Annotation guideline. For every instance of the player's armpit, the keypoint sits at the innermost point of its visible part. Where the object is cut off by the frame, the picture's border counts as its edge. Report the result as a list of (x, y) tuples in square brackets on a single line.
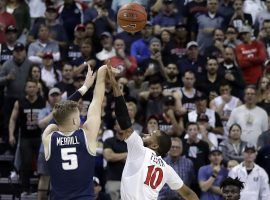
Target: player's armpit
[(187, 193)]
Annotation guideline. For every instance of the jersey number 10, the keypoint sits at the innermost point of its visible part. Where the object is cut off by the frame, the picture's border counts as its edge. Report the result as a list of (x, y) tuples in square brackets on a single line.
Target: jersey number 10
[(154, 176)]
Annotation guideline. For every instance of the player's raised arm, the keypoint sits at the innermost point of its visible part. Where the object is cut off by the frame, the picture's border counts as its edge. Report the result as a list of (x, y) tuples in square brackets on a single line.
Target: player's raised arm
[(46, 137), (187, 193), (121, 111), (92, 124)]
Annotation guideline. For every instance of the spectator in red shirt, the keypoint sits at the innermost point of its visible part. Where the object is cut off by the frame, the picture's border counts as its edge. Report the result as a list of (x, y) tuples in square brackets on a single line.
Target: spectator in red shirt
[(6, 19), (250, 56), (125, 63)]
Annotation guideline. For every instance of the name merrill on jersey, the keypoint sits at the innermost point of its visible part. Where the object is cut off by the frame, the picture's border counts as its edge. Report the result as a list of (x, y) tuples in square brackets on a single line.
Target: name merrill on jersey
[(62, 141), (157, 160)]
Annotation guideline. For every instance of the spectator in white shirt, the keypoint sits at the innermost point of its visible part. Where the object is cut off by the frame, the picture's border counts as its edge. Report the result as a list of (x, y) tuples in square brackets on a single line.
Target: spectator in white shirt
[(108, 51)]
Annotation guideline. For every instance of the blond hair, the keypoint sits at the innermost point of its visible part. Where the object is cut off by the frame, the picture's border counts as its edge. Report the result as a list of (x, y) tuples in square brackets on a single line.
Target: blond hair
[(62, 111)]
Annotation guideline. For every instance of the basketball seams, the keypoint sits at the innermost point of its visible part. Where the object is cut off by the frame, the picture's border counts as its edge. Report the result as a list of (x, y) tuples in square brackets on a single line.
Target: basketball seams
[(126, 20), (126, 9)]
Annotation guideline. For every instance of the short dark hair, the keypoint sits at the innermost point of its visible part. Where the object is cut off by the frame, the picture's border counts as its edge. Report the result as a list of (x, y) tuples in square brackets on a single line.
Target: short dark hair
[(188, 71), (232, 181), (192, 123), (224, 82), (235, 124), (62, 110), (251, 86), (164, 144), (31, 80)]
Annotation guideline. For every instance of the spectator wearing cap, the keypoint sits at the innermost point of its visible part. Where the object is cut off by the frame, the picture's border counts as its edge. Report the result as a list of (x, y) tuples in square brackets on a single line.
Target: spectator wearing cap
[(140, 48), (125, 63), (153, 65), (185, 96), (6, 19), (43, 44), (44, 118), (169, 122), (255, 178), (13, 76), (264, 34), (72, 50), (182, 165), (49, 74), (252, 119), (239, 17), (7, 47), (104, 18), (233, 146), (232, 73), (71, 14), (210, 176), (25, 113), (191, 60), (205, 25), (108, 51), (215, 125), (250, 56), (209, 81), (167, 18), (225, 103), (57, 31), (20, 10)]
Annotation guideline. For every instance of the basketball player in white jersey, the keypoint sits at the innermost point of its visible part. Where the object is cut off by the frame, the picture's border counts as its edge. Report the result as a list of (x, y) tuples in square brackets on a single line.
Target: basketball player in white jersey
[(145, 172)]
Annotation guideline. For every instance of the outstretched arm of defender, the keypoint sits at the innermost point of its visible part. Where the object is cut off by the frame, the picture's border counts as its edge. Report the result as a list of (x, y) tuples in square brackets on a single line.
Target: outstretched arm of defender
[(92, 124), (121, 111), (187, 193)]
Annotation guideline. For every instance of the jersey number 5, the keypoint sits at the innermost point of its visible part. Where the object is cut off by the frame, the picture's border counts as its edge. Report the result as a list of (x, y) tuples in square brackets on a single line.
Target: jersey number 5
[(70, 157), (154, 176)]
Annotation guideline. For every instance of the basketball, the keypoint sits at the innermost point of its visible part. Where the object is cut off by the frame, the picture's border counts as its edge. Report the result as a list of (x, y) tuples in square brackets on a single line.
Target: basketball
[(132, 17)]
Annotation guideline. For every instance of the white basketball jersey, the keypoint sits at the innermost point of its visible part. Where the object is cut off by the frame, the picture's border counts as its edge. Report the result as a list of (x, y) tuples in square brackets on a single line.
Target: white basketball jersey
[(145, 173)]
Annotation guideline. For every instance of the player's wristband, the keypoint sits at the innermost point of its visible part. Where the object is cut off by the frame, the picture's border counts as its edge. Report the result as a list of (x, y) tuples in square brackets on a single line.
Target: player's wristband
[(121, 113), (75, 96)]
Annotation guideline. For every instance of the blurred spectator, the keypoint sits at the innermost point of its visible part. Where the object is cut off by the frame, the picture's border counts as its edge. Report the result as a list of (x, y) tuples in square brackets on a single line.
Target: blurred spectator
[(49, 74), (240, 18), (126, 64), (215, 125), (140, 48), (231, 188), (152, 100), (206, 24), (151, 124), (185, 97), (181, 164), (250, 56), (231, 164), (216, 49), (132, 111), (263, 85), (35, 74), (44, 119), (253, 7), (262, 16), (7, 47), (255, 178), (172, 78), (210, 176), (25, 112), (233, 146), (20, 10), (116, 4), (51, 20), (90, 34), (6, 20), (192, 60), (87, 58), (167, 49), (196, 150), (37, 9), (115, 153), (43, 44), (264, 35), (73, 48), (226, 10), (13, 76), (252, 119), (71, 14), (225, 103), (264, 139), (209, 81), (231, 37), (108, 51), (66, 84), (98, 190), (232, 73), (263, 159), (167, 18), (169, 121), (265, 104), (104, 18)]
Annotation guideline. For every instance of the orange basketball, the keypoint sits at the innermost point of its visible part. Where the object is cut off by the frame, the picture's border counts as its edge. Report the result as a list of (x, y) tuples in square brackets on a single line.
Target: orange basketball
[(132, 17)]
